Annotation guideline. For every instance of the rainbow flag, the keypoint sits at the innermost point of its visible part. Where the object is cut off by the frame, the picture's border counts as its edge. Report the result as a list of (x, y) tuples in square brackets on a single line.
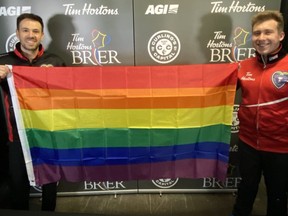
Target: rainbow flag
[(124, 122)]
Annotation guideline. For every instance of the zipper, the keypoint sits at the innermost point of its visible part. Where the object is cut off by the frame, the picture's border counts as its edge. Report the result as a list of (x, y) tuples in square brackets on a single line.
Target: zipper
[(263, 58)]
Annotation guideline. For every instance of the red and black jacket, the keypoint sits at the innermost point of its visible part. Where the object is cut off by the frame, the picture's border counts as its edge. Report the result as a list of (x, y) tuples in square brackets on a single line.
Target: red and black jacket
[(263, 113), (16, 58)]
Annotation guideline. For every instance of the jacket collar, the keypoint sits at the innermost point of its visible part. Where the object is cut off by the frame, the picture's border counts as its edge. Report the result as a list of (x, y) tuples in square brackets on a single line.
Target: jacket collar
[(18, 52), (273, 57)]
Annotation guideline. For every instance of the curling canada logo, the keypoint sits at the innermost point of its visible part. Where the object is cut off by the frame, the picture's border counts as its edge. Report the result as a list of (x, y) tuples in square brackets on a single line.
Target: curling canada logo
[(164, 47), (165, 183), (280, 79)]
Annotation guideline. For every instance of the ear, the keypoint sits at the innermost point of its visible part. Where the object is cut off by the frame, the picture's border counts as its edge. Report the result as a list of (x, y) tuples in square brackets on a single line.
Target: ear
[(17, 33), (282, 35), (42, 37)]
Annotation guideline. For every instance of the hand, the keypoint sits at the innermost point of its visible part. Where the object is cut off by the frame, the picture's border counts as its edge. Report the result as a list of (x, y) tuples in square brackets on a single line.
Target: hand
[(4, 70)]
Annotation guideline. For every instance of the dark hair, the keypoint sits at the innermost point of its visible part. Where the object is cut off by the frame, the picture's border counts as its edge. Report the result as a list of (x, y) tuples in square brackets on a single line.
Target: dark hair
[(31, 17), (269, 15)]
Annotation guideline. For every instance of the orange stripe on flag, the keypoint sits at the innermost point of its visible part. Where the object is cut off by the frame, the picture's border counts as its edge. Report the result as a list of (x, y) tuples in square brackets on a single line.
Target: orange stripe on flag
[(41, 99)]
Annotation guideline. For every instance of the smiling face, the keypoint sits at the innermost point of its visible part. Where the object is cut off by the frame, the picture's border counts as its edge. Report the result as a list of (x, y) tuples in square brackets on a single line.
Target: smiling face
[(30, 34), (266, 37)]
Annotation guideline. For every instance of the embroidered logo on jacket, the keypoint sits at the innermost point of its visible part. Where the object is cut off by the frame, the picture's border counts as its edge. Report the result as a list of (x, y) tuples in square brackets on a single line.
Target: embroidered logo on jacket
[(279, 79), (248, 77)]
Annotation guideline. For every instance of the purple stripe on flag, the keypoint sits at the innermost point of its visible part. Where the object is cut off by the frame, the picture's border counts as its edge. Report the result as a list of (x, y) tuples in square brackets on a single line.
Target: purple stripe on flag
[(188, 168)]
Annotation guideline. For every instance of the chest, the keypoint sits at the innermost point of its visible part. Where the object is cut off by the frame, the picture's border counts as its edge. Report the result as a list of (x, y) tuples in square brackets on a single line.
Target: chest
[(271, 79)]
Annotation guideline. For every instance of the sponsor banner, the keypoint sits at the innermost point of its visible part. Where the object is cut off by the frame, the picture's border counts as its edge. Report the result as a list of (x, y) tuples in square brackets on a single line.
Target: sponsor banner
[(91, 187), (137, 32), (188, 185), (153, 186), (193, 32), (83, 33)]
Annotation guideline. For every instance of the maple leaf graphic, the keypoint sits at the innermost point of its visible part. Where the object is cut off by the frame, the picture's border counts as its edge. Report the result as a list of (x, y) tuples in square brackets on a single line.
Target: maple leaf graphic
[(241, 37), (98, 39)]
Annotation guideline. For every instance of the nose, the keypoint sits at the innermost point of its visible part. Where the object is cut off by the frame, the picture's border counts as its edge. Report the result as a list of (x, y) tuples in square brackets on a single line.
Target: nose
[(31, 34), (261, 36)]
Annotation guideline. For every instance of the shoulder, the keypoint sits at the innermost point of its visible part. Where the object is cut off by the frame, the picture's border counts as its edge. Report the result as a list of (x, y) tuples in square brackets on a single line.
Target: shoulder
[(4, 55), (249, 62), (5, 58), (251, 59)]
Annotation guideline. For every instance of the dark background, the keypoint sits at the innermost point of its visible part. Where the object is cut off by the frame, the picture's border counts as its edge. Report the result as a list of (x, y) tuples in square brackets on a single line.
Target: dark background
[(128, 35)]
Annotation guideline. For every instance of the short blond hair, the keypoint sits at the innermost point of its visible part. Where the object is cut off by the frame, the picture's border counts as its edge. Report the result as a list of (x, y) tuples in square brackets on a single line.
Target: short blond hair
[(269, 15)]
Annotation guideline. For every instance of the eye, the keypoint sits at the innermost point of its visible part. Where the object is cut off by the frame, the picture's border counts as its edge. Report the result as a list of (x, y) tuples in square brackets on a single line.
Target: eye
[(256, 33), (269, 32)]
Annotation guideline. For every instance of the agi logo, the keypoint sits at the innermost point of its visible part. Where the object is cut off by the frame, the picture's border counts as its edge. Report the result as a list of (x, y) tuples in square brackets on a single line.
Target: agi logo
[(162, 9), (164, 47), (14, 10)]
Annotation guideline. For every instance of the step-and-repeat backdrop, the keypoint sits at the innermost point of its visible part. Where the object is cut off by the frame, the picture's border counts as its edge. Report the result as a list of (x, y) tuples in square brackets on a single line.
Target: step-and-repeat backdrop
[(137, 32)]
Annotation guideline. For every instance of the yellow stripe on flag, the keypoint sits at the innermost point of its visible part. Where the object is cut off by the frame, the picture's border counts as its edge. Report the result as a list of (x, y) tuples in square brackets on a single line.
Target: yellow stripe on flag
[(52, 120)]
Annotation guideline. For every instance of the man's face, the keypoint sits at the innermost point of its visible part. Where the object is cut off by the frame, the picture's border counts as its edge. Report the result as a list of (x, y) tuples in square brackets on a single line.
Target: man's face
[(265, 37), (30, 35)]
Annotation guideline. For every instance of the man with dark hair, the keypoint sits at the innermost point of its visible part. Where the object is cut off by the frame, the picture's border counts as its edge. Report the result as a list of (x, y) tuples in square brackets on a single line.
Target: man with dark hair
[(28, 52), (263, 116)]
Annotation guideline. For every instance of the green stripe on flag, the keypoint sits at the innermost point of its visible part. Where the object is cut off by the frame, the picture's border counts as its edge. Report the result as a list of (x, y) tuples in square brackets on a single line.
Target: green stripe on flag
[(125, 137)]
